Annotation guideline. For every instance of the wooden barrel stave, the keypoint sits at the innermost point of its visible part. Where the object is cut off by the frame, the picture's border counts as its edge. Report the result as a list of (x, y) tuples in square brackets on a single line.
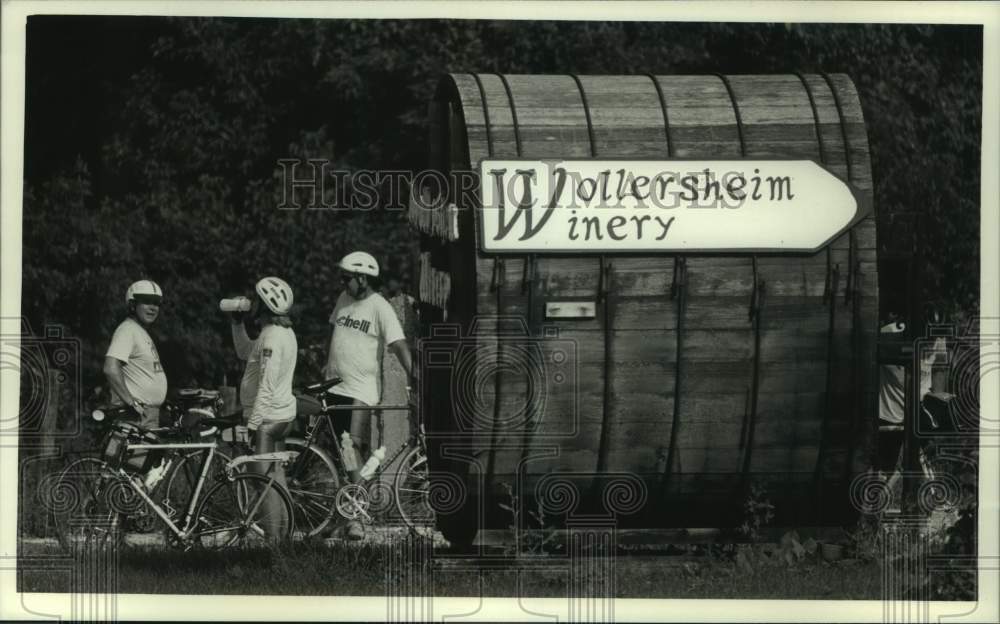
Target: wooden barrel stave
[(626, 121)]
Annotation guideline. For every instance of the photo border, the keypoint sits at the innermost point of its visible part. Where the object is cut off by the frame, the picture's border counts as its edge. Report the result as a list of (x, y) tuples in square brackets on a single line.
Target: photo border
[(33, 606)]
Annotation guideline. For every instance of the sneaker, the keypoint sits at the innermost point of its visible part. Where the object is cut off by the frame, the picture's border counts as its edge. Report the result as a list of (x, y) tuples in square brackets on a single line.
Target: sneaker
[(354, 531)]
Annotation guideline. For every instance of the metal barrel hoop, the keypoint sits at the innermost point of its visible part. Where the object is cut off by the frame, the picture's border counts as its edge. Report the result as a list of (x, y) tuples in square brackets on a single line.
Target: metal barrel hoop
[(754, 303), (603, 277), (852, 292), (829, 299)]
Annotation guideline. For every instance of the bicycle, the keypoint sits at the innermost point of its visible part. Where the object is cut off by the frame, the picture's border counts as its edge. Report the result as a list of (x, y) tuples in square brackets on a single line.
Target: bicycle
[(183, 412), (85, 460), (237, 509), (314, 479), (931, 475)]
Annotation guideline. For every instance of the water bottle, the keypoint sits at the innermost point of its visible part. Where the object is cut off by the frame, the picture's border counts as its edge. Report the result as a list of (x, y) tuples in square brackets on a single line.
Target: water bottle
[(155, 475), (236, 304), (242, 434), (347, 450), (372, 464)]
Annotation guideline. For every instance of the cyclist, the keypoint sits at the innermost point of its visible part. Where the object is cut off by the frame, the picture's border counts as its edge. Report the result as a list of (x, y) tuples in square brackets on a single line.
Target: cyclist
[(266, 388), (363, 324), (891, 397), (132, 363), (892, 403)]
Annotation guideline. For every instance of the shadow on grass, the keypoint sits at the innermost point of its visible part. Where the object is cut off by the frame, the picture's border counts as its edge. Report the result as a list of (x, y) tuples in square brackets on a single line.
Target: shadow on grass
[(320, 569), (306, 568)]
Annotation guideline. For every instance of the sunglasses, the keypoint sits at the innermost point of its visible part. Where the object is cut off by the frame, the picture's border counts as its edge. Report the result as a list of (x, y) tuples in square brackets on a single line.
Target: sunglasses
[(147, 300)]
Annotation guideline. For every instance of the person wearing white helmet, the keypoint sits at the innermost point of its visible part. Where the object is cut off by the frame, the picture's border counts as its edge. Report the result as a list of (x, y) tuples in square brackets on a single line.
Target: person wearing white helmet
[(132, 364), (363, 324), (266, 388)]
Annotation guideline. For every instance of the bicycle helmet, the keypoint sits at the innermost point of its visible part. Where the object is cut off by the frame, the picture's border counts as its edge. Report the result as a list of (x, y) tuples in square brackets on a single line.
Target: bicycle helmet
[(360, 262), (144, 291), (276, 294)]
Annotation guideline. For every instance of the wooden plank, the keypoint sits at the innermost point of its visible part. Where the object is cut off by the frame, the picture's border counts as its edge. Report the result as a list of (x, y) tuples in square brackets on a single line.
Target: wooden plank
[(659, 313), (653, 374), (623, 264), (652, 275), (689, 461), (700, 345), (473, 113), (698, 101), (776, 115), (632, 127), (784, 420), (501, 117)]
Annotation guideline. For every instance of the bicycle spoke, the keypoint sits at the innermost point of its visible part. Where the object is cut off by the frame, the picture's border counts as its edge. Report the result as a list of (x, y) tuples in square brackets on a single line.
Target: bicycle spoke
[(310, 495), (313, 483), (412, 490), (249, 509), (90, 488)]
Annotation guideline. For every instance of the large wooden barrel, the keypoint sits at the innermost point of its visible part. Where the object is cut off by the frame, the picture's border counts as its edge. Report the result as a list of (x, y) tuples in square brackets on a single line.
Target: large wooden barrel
[(697, 375)]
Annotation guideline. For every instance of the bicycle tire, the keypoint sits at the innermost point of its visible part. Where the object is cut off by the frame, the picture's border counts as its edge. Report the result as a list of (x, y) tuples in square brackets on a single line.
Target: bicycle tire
[(87, 501), (183, 476), (411, 490), (233, 513), (313, 482)]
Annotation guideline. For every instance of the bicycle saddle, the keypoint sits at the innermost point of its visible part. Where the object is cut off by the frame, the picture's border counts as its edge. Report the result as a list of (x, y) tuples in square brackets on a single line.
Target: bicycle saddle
[(187, 397), (323, 386), (198, 393), (203, 422)]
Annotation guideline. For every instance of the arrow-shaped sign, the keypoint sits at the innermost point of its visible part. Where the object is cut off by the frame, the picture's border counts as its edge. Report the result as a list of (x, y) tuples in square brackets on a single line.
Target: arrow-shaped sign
[(690, 206)]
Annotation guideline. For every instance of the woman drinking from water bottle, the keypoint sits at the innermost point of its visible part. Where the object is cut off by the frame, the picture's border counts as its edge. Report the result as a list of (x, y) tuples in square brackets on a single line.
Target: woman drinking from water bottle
[(266, 389)]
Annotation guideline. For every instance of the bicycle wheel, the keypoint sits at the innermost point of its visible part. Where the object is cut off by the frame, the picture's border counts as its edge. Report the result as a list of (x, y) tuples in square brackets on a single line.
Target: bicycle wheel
[(313, 483), (412, 492), (249, 510), (180, 482), (89, 502)]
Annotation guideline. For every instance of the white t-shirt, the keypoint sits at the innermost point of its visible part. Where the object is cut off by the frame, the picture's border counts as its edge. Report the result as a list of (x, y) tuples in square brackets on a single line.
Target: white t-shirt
[(143, 373), (361, 329), (891, 395), (892, 379), (266, 389)]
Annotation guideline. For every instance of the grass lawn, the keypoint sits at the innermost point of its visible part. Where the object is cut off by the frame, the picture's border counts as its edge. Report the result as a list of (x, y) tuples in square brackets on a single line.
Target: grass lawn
[(319, 569)]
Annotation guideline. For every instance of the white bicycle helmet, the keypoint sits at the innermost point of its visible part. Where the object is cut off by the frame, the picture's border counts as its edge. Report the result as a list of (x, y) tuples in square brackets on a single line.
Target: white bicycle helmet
[(143, 291), (276, 294), (360, 262)]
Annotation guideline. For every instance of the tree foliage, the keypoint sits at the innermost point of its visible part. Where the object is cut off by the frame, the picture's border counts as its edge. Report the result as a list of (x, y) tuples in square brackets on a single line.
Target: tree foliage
[(177, 178)]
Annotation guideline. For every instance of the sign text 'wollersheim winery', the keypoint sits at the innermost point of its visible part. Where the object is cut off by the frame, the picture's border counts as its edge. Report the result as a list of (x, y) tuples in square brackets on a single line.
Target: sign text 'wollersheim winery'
[(682, 206)]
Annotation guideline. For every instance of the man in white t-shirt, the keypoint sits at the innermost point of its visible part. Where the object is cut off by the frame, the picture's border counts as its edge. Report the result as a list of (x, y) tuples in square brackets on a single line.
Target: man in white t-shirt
[(132, 364), (892, 399), (891, 402), (363, 324)]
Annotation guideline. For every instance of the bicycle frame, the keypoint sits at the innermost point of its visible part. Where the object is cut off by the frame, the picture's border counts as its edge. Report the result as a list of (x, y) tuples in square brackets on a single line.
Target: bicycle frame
[(327, 411), (184, 533)]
